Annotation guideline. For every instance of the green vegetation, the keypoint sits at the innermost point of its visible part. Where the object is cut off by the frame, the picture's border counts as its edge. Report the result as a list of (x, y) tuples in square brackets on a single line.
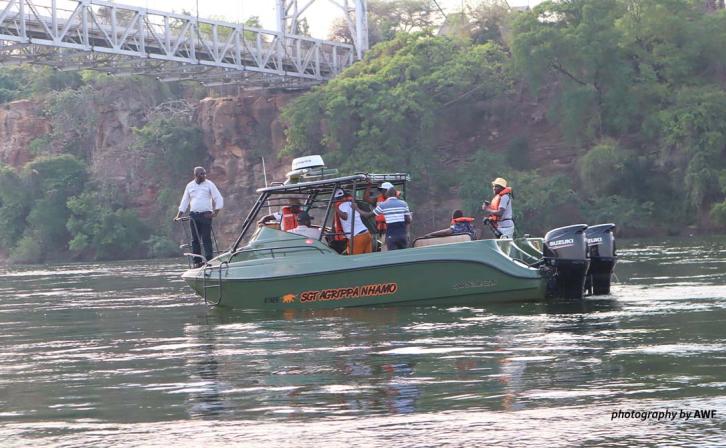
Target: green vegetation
[(627, 95), (171, 145), (635, 88), (378, 111), (51, 208)]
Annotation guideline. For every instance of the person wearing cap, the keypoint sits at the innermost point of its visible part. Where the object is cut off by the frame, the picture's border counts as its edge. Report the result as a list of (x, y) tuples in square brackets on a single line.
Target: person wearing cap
[(397, 216), (204, 201), (380, 219), (499, 211), (303, 227), (348, 222)]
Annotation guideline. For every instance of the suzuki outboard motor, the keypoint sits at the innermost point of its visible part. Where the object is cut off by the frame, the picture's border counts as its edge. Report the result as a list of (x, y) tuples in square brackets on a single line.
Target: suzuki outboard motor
[(601, 241), (565, 252)]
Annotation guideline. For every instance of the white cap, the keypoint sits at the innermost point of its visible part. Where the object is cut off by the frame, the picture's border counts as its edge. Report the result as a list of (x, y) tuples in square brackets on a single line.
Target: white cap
[(338, 193), (386, 186)]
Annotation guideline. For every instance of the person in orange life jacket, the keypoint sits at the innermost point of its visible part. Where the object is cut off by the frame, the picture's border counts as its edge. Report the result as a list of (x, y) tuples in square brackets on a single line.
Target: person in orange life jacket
[(460, 224), (286, 217), (348, 224), (204, 201), (380, 219), (398, 217), (499, 211)]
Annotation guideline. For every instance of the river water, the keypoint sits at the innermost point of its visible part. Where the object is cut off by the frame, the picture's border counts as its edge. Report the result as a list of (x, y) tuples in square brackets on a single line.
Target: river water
[(123, 354)]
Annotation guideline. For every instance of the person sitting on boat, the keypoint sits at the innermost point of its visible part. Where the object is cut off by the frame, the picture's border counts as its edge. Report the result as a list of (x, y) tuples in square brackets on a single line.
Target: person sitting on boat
[(204, 201), (303, 227), (397, 216), (348, 223), (460, 225), (287, 217), (499, 211), (380, 219)]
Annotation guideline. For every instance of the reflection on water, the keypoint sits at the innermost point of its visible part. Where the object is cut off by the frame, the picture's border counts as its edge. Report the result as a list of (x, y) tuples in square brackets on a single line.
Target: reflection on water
[(122, 353)]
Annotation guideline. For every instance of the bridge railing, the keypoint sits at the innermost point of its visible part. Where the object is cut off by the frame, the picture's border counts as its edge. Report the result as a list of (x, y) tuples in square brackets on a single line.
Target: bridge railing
[(31, 30)]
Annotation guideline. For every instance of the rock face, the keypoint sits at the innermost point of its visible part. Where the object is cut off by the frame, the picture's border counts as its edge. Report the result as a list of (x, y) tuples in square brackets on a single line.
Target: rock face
[(239, 132), (21, 122)]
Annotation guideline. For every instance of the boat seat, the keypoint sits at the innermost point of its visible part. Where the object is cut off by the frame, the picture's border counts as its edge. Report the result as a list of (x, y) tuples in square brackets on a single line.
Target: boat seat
[(423, 242)]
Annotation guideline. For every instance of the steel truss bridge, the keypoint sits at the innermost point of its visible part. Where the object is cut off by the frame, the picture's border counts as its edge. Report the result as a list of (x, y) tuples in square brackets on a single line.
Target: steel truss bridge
[(128, 40)]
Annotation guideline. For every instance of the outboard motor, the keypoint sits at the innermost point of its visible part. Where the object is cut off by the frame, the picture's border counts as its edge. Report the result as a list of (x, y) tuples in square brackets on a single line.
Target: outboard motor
[(601, 241), (565, 252)]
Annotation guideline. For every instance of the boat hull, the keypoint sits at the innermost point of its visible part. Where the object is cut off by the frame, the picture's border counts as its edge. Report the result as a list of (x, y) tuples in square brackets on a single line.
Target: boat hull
[(453, 274)]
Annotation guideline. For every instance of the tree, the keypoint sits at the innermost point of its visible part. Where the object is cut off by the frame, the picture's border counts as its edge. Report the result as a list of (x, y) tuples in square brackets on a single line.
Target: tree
[(14, 207), (694, 137), (576, 44), (50, 181), (387, 18), (102, 232), (374, 114)]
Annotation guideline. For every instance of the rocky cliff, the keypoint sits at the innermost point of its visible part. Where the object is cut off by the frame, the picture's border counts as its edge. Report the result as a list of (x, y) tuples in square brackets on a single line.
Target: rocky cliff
[(21, 122), (240, 131)]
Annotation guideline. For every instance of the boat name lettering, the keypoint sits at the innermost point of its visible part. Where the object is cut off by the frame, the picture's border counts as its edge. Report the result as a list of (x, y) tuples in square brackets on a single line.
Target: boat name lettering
[(467, 284), (559, 243), (354, 292), (594, 241)]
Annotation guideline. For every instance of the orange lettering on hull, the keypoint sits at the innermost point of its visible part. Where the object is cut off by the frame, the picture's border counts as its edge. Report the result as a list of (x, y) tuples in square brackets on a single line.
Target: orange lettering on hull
[(355, 292)]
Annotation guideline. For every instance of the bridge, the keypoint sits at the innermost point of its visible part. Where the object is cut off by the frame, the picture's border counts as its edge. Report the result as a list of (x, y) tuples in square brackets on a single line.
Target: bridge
[(128, 40)]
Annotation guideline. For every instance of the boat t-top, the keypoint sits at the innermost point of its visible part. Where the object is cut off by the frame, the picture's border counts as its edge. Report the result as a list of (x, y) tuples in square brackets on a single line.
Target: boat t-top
[(270, 268)]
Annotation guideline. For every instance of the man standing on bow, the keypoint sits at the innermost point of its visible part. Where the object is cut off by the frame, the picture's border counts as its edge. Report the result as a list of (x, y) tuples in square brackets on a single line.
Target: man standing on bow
[(204, 201), (499, 211)]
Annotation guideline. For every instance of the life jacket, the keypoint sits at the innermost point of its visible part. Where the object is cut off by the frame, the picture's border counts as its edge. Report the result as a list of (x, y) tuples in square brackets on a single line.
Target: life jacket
[(494, 206), (380, 219), (337, 223), (289, 218)]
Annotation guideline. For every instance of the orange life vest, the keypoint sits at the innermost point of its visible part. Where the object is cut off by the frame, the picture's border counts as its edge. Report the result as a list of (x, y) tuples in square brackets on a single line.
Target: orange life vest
[(494, 206), (337, 224), (289, 218), (462, 219)]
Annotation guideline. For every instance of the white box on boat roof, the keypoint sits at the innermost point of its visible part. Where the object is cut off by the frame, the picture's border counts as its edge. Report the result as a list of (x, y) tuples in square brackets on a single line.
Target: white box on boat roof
[(307, 162)]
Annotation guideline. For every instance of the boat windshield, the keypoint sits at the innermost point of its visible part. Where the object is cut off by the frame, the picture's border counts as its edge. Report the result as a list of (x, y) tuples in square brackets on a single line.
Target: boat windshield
[(316, 198)]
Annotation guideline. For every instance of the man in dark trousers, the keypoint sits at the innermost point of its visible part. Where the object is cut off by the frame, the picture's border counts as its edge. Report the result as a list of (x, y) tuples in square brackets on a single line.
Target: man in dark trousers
[(204, 201), (398, 217)]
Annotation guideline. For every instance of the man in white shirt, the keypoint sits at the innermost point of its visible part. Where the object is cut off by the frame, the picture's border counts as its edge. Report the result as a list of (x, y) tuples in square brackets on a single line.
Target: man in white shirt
[(359, 238), (204, 201), (303, 227)]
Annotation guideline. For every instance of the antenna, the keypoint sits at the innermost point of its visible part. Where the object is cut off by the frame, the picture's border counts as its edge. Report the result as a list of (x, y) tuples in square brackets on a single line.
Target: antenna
[(264, 173)]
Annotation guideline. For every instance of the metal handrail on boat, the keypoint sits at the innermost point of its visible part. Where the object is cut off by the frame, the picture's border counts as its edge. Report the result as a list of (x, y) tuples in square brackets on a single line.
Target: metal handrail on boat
[(190, 255), (205, 287)]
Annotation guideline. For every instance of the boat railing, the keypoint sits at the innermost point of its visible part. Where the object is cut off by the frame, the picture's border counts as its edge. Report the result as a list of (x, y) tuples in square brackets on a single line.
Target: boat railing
[(272, 249), (189, 238), (207, 274)]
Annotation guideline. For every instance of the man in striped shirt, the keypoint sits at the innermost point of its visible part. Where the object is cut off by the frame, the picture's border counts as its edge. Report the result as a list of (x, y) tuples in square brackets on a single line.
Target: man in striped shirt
[(398, 217)]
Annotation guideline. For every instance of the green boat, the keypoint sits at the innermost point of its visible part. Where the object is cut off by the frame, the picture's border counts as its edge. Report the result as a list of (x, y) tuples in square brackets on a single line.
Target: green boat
[(267, 268)]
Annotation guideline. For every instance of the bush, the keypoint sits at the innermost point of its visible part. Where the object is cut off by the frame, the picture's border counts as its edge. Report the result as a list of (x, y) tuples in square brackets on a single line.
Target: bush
[(160, 246), (606, 168), (28, 250), (14, 207), (172, 146), (629, 215), (101, 232)]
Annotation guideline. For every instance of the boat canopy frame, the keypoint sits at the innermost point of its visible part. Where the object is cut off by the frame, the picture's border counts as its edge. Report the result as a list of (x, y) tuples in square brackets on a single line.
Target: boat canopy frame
[(314, 189)]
